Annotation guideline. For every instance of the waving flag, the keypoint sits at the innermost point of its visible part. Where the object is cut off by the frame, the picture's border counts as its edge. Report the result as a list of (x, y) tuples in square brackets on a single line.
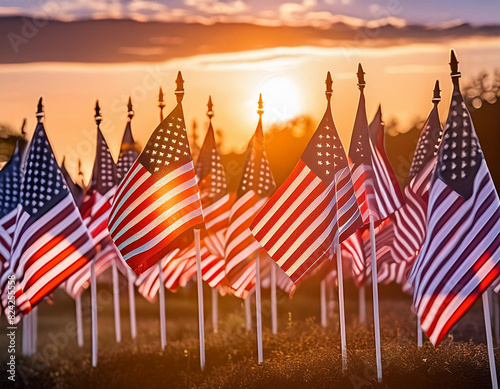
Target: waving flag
[(256, 185), (99, 195), (377, 197), (75, 189), (50, 241), (460, 257), (158, 199), (298, 225)]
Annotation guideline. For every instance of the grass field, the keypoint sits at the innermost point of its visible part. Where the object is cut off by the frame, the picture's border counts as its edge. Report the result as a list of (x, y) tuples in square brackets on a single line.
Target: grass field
[(302, 355)]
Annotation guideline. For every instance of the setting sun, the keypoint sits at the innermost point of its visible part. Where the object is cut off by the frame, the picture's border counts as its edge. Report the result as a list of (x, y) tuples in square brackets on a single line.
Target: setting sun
[(281, 98)]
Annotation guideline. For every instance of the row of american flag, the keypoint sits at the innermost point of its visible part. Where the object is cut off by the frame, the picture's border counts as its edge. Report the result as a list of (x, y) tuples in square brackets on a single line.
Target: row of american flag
[(439, 237)]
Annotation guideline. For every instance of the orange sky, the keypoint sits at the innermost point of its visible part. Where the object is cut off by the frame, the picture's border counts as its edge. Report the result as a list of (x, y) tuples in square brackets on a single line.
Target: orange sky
[(400, 78)]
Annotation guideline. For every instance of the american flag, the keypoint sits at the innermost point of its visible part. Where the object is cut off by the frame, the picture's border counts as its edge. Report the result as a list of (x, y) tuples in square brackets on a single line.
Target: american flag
[(298, 225), (460, 257), (99, 195), (50, 241), (81, 279), (255, 187), (10, 185), (129, 150), (376, 194), (158, 199), (75, 189)]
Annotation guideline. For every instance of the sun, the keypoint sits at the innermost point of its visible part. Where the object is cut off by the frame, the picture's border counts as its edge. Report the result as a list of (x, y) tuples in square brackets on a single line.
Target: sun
[(281, 98)]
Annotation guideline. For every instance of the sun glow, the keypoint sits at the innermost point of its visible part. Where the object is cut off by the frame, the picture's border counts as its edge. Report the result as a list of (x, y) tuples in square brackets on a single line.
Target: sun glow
[(281, 98)]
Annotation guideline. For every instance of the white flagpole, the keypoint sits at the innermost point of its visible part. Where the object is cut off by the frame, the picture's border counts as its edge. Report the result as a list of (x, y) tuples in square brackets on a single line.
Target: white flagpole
[(116, 302), (248, 312), (258, 307), (163, 324), (215, 309), (274, 308), (34, 333), (376, 318), (131, 302), (340, 278), (93, 302), (26, 335), (322, 287), (489, 340), (419, 333), (496, 314), (79, 323), (362, 304), (201, 315)]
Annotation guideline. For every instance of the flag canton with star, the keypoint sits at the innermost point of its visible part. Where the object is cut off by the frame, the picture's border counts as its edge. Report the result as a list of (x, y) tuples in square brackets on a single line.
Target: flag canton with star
[(10, 184), (128, 153), (359, 152), (168, 147), (43, 184), (324, 154), (459, 156), (104, 174), (257, 174), (428, 144), (209, 170)]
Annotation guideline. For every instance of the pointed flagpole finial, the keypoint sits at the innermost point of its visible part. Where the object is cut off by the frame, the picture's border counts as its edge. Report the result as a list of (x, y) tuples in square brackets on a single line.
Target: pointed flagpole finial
[(260, 103), (80, 173), (39, 112), (161, 103), (97, 116), (454, 65), (210, 106), (329, 83), (130, 109), (179, 91), (436, 97), (23, 128), (361, 77)]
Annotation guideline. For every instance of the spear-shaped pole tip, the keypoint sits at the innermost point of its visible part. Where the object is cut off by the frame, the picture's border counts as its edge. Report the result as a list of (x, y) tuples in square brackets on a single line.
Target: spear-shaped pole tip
[(179, 91), (130, 109), (97, 116), (160, 97), (39, 112), (361, 77), (210, 106), (436, 97), (260, 103), (329, 84), (454, 64)]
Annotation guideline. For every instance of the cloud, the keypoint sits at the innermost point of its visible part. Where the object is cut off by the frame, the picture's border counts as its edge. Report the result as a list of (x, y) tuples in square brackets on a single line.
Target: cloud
[(216, 7)]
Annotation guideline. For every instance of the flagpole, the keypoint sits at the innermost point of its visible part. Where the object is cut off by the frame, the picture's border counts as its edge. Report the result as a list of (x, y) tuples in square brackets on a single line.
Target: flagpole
[(215, 309), (362, 303), (248, 312), (489, 340), (322, 287), (496, 314), (26, 336), (116, 302), (258, 307), (93, 303), (163, 325), (376, 318), (34, 333), (199, 280), (79, 324), (419, 333), (131, 301), (340, 278), (274, 308)]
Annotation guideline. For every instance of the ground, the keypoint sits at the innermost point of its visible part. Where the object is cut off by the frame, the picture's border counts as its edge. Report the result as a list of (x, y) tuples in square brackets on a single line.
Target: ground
[(302, 355)]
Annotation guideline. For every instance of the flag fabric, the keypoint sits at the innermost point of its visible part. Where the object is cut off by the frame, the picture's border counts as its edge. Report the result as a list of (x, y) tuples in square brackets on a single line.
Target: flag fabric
[(99, 194), (129, 152), (376, 194), (81, 279), (158, 199), (315, 204), (10, 191), (460, 256), (255, 187), (75, 189), (50, 241)]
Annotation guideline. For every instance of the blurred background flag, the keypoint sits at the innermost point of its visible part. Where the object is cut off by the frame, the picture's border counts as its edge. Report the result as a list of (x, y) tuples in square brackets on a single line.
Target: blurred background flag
[(158, 199), (298, 225), (460, 257), (255, 187), (50, 241)]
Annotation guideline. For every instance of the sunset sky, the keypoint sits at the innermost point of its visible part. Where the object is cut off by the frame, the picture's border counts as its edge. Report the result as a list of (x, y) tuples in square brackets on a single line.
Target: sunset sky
[(280, 49)]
